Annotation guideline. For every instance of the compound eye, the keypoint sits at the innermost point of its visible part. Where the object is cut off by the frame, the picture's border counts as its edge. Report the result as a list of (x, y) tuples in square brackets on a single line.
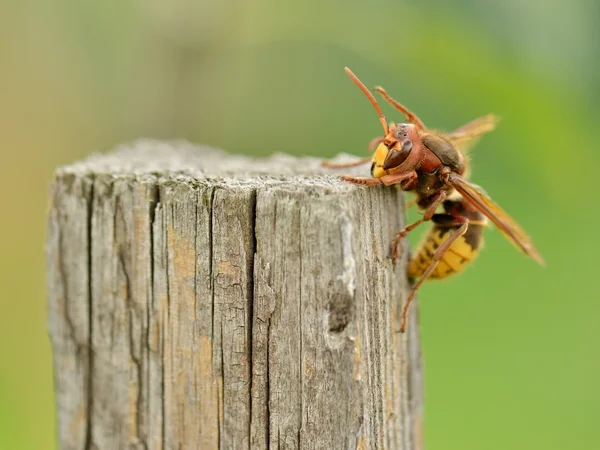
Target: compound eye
[(396, 157)]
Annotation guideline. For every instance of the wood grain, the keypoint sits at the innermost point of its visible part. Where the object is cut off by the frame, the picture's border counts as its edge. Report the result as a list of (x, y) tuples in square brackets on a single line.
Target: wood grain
[(199, 300)]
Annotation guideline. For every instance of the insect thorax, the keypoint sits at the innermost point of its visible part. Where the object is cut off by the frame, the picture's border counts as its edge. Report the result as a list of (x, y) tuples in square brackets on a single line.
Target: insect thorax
[(445, 151)]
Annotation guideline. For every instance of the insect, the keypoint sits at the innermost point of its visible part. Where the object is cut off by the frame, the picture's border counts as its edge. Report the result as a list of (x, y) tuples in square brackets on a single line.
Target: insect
[(451, 243), (432, 165)]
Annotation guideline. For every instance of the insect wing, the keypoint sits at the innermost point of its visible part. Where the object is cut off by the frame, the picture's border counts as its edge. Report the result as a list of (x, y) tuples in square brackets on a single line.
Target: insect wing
[(480, 200), (467, 135)]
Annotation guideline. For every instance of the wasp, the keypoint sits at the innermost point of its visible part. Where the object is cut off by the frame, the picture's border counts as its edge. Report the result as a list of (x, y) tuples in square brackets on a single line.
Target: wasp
[(434, 166)]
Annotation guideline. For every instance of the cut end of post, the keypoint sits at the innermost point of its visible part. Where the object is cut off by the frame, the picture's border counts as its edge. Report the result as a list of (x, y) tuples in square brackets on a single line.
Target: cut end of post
[(203, 301)]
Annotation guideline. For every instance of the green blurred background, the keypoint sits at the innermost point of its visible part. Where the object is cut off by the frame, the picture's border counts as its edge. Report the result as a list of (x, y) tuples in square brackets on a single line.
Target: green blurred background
[(511, 350)]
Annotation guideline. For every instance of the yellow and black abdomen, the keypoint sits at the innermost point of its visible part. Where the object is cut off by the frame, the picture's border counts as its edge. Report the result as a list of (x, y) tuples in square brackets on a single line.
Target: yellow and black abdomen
[(464, 250)]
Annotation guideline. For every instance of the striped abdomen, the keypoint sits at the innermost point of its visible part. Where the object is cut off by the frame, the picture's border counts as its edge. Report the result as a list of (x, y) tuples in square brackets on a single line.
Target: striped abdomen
[(464, 250)]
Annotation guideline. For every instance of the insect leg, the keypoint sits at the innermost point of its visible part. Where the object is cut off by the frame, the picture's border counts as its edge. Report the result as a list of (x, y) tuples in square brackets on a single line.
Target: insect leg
[(363, 181), (373, 143), (437, 256), (437, 200), (333, 165), (388, 180), (410, 116)]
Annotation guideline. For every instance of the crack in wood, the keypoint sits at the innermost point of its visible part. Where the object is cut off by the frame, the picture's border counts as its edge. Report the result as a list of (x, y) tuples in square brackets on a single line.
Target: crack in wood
[(246, 310)]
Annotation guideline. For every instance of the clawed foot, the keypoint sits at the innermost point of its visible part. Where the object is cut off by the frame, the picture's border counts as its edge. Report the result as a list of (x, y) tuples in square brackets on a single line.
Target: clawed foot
[(362, 181), (329, 164), (396, 243), (403, 325)]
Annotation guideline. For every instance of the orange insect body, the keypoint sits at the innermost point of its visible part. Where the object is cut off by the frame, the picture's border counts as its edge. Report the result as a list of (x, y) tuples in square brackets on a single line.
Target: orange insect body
[(431, 165)]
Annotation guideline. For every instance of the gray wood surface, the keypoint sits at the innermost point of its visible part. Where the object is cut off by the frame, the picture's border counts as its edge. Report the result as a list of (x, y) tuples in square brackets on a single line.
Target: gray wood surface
[(199, 300)]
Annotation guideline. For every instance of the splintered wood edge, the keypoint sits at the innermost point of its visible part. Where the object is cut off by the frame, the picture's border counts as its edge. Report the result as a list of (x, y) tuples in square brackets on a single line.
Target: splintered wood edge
[(84, 210)]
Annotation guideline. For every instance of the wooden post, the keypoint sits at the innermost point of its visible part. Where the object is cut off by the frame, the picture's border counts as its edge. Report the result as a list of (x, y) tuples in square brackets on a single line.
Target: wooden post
[(199, 300)]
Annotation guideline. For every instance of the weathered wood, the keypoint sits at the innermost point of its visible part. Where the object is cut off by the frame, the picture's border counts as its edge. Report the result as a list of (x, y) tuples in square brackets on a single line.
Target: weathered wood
[(200, 300)]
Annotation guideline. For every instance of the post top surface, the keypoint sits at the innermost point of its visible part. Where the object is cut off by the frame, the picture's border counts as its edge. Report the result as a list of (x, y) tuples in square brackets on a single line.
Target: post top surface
[(180, 160)]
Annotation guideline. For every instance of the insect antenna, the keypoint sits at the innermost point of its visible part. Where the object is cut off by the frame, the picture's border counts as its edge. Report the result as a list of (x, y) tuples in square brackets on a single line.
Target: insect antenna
[(410, 116), (371, 98)]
